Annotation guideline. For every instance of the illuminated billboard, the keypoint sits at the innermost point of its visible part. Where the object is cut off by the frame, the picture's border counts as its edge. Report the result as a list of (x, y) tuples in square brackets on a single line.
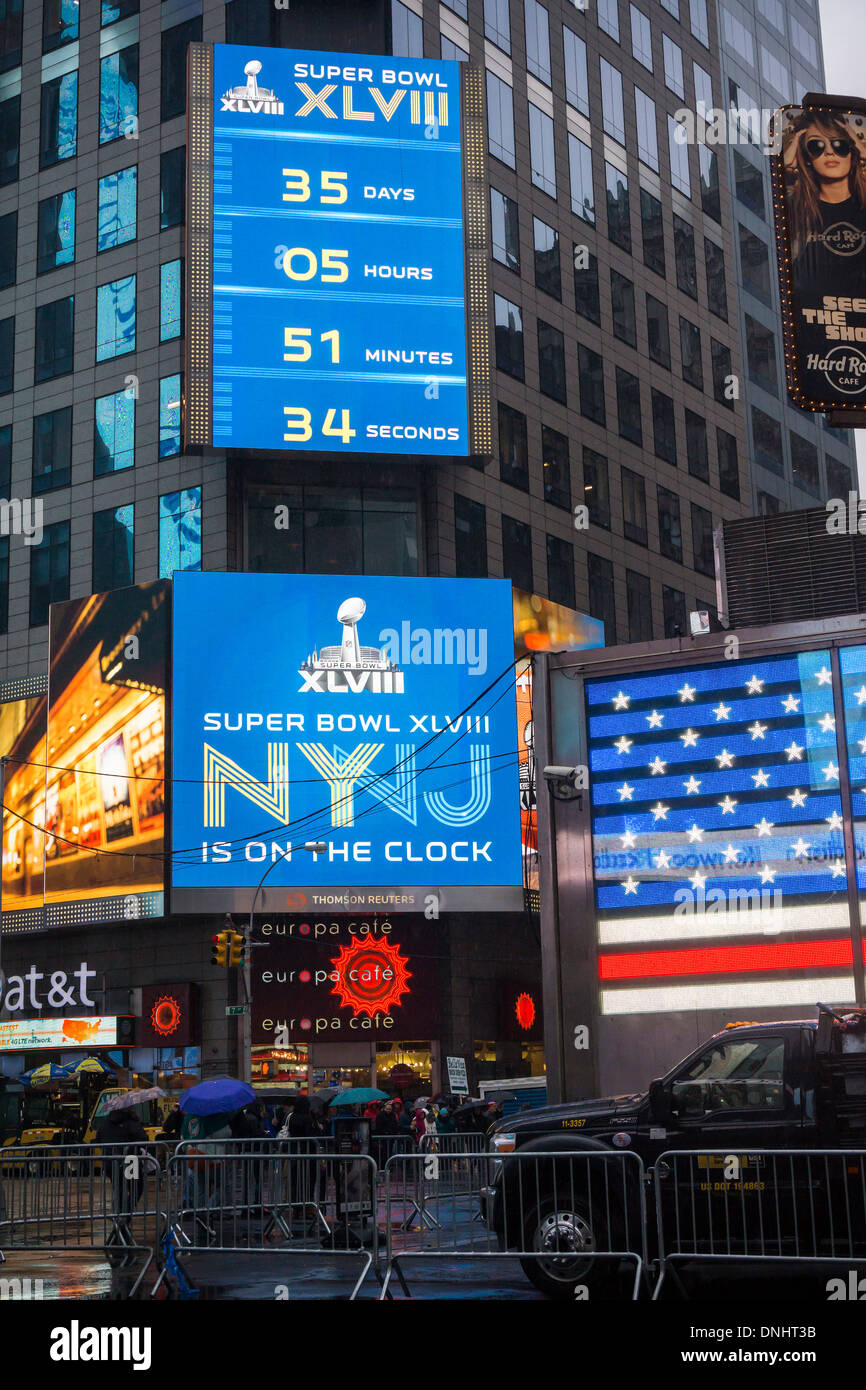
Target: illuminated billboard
[(375, 716), (339, 978), (819, 189), (28, 1034), (336, 252), (717, 824)]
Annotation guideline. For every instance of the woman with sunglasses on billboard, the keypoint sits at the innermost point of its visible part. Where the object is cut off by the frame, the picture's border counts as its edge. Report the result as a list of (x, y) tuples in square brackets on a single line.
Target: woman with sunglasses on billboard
[(825, 198)]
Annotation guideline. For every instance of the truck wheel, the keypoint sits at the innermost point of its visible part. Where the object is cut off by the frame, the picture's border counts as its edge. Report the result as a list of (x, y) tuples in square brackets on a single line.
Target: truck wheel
[(564, 1231)]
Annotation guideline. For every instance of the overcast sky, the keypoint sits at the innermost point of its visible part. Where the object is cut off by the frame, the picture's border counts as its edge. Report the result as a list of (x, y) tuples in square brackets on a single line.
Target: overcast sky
[(845, 71)]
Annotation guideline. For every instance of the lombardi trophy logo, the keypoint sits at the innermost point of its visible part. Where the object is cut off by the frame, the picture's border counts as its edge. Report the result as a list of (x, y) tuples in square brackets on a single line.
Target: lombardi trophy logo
[(252, 98), (351, 667)]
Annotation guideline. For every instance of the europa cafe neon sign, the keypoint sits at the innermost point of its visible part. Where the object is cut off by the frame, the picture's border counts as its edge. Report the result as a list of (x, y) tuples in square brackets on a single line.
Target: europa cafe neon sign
[(370, 976)]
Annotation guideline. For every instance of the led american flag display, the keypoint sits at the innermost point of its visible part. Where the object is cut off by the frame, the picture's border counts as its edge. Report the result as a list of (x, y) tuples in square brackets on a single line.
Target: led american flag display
[(853, 663), (720, 874)]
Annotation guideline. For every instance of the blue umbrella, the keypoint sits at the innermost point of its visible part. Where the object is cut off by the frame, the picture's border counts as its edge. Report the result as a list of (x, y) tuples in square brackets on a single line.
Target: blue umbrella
[(359, 1095), (218, 1097), (40, 1076)]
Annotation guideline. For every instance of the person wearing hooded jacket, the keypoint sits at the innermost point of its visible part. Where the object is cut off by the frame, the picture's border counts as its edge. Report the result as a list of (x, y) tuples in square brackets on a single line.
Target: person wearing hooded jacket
[(123, 1126)]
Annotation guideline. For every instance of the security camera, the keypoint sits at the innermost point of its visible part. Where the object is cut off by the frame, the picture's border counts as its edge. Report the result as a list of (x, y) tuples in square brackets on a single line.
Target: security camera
[(565, 783)]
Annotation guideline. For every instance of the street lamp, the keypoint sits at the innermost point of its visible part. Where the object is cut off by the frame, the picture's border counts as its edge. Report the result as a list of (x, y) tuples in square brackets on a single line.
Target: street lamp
[(312, 847)]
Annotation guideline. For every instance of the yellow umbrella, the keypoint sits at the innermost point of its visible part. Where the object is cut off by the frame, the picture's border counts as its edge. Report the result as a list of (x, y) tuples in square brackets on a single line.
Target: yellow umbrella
[(40, 1076), (90, 1065)]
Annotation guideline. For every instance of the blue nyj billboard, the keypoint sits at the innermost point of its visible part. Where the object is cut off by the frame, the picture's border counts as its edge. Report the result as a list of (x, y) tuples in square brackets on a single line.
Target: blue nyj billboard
[(375, 717)]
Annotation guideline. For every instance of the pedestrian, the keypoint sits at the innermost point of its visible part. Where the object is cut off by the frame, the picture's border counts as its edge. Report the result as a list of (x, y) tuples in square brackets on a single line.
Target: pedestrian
[(444, 1122), (123, 1127), (304, 1131), (171, 1125), (385, 1129), (419, 1125)]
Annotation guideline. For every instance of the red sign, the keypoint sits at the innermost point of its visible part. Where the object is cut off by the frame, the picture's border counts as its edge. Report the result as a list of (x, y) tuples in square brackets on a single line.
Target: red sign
[(169, 1016), (520, 1013)]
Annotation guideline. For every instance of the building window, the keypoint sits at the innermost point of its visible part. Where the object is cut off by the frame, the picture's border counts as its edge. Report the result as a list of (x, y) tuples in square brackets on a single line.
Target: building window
[(684, 257), (761, 354), (690, 349), (839, 482), (451, 51), (7, 355), (172, 187), (180, 532), (363, 530), (749, 184), (49, 572), (52, 450), (697, 452), (586, 297), (674, 609), (641, 37), (118, 198), (113, 10), (407, 34), (458, 6), (537, 41), (113, 549), (679, 156), (513, 447), (169, 415), (59, 119), (647, 138), (622, 302), (652, 232), (5, 460), (596, 488), (767, 441), (517, 553), (768, 505), (4, 584), (500, 119), (59, 23), (470, 538), (633, 507), (702, 540), (118, 95), (580, 176), (506, 230), (8, 249), (804, 465), (729, 471), (664, 427), (618, 210), (673, 56), (608, 17), (670, 532), (602, 604), (115, 318), (658, 331), (170, 300), (722, 374), (55, 330), (10, 35), (639, 606), (55, 233), (703, 90), (175, 43), (497, 23), (10, 122), (803, 43), (698, 21), (628, 406), (551, 362), (560, 571), (717, 294), (612, 111), (114, 433), (557, 472), (509, 337), (576, 79), (590, 374), (711, 200), (542, 155), (548, 276), (754, 264)]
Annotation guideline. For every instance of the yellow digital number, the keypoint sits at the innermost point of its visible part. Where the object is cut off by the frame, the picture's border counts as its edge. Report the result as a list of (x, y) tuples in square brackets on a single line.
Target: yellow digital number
[(299, 180), (331, 261), (308, 265), (309, 261), (294, 338), (331, 184), (298, 426), (333, 338), (344, 432)]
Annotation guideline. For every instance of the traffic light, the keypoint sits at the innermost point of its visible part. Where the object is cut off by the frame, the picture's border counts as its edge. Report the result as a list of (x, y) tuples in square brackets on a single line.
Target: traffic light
[(237, 948), (219, 949)]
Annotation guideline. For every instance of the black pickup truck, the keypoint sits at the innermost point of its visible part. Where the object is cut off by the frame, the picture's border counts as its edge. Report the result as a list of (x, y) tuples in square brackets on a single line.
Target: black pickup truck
[(769, 1086)]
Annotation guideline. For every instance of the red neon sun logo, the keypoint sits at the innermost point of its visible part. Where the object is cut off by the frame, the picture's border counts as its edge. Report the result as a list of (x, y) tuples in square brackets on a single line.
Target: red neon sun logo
[(525, 1010), (165, 1015), (371, 976)]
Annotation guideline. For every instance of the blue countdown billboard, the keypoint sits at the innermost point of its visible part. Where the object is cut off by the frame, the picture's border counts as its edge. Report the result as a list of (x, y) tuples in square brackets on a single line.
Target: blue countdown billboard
[(338, 312), (355, 713)]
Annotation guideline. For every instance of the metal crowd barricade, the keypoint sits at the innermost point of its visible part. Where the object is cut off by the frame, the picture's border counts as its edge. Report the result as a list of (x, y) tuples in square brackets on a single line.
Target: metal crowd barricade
[(80, 1198), (770, 1205), (272, 1196), (596, 1200)]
